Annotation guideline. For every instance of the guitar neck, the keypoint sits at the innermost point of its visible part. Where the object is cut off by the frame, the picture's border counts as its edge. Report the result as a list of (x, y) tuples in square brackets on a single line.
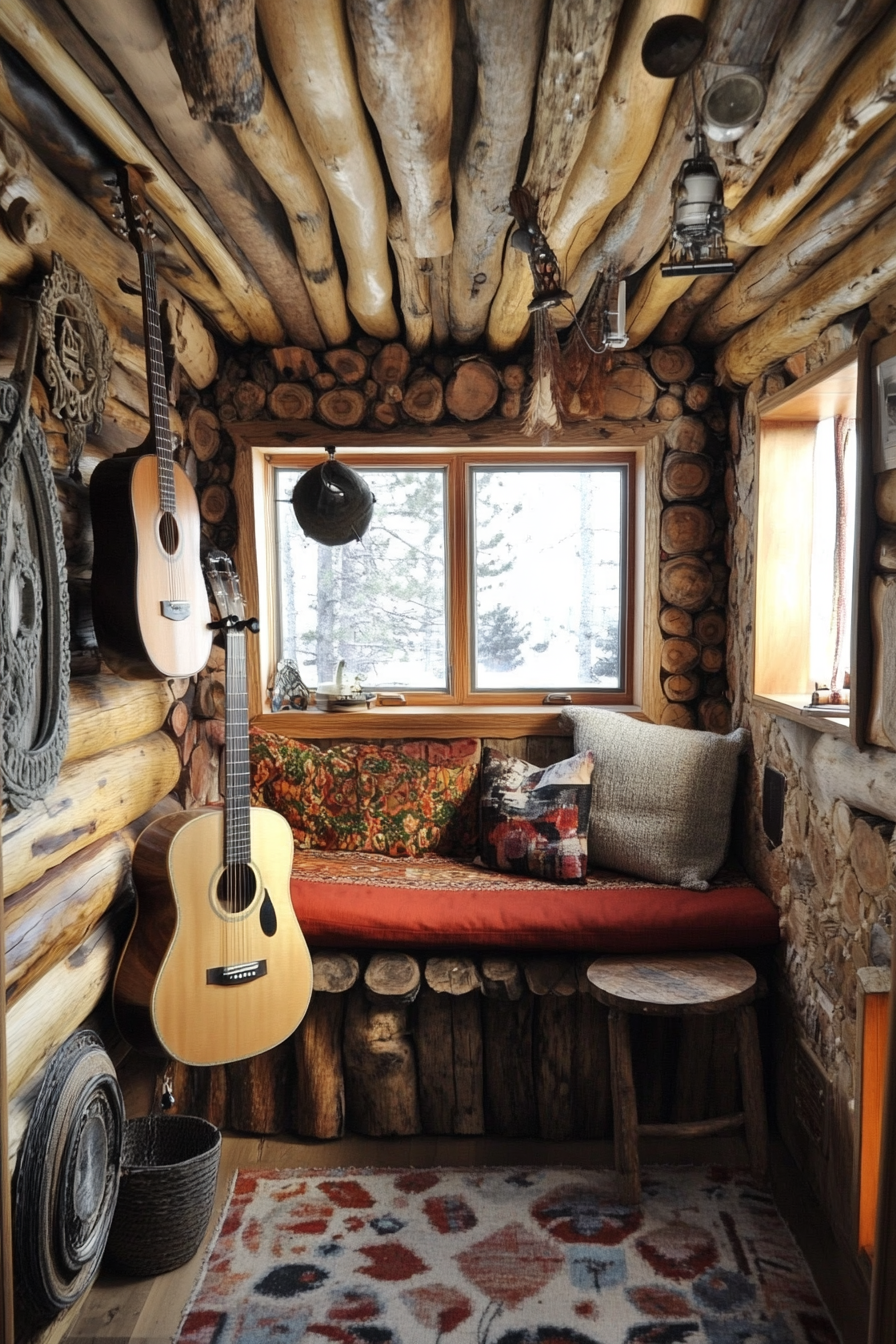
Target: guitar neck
[(155, 377), (237, 844)]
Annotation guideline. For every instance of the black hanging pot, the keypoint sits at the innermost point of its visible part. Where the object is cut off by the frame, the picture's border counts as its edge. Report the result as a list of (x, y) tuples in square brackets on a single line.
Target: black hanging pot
[(332, 503)]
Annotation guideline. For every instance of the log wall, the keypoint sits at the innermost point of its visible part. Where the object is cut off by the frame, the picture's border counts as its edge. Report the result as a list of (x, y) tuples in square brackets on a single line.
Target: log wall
[(833, 877)]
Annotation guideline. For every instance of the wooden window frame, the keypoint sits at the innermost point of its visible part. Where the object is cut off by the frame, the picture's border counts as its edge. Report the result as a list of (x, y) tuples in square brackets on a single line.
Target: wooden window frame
[(262, 446)]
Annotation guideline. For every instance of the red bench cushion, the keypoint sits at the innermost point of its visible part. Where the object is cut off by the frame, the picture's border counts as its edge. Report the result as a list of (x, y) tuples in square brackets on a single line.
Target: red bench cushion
[(368, 900)]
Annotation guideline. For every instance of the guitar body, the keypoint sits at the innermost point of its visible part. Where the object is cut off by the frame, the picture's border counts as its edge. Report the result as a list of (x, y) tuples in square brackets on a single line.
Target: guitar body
[(183, 937), (138, 568)]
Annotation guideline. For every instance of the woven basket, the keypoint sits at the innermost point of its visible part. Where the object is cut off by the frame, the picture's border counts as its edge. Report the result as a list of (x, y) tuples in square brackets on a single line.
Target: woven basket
[(169, 1168)]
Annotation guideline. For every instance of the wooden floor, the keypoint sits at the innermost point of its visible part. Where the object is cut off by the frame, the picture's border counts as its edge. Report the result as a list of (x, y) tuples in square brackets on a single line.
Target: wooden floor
[(148, 1311)]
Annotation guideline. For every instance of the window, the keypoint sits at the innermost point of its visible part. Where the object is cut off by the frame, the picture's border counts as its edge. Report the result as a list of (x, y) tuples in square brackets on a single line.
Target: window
[(808, 473), (493, 576)]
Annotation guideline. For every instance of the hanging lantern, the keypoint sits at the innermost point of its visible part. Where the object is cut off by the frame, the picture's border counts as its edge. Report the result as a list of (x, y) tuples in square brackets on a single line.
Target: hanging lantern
[(527, 237), (697, 244), (332, 503)]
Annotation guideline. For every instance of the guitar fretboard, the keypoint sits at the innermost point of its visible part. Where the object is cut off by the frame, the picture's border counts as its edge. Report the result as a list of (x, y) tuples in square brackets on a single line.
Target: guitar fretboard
[(237, 842), (155, 374)]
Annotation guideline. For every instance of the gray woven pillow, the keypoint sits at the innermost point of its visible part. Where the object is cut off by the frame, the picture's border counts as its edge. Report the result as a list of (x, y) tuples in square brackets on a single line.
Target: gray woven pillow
[(661, 797)]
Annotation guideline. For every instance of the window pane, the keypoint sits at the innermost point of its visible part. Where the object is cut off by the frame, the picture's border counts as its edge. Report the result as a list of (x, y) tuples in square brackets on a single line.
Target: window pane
[(379, 603), (548, 583)]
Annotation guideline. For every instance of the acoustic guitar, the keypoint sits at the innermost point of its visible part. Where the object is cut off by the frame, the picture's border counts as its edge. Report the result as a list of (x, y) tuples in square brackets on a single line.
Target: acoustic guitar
[(150, 610), (216, 967)]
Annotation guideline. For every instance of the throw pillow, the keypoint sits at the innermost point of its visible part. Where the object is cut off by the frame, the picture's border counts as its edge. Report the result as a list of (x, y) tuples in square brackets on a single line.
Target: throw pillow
[(662, 797), (397, 798), (535, 821)]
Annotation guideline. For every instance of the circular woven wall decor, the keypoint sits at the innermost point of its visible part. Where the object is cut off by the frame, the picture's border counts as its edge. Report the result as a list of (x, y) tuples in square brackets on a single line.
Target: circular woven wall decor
[(66, 1181)]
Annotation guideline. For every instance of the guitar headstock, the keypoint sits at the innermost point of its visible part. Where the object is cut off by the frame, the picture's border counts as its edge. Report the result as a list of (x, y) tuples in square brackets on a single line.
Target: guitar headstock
[(224, 585), (132, 213)]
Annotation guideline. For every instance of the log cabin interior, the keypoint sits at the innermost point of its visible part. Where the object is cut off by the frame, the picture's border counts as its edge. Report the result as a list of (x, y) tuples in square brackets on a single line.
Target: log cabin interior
[(528, 370)]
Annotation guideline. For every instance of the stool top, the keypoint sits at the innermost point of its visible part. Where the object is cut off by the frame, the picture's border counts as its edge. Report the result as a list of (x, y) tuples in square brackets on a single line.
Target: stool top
[(710, 983)]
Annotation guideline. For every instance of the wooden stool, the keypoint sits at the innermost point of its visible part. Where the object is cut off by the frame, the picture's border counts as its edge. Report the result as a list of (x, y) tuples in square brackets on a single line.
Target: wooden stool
[(674, 986)]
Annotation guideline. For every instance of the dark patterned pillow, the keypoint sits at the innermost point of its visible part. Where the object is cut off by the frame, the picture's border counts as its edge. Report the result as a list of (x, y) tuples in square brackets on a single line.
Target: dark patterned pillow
[(398, 798), (535, 821)]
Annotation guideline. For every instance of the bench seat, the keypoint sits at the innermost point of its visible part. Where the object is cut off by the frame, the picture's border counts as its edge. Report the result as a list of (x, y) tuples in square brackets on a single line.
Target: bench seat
[(358, 899)]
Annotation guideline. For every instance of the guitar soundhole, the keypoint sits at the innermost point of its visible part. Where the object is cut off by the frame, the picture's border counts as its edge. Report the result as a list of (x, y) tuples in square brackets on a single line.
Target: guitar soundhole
[(169, 533), (236, 888)]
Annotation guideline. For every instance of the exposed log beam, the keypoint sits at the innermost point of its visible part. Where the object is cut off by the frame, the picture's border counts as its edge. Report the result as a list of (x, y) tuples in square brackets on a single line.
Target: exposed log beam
[(414, 278), (105, 712), (861, 101), (79, 236), (823, 34), (857, 194), (215, 55), (134, 40), (310, 49), (34, 41), (82, 162), (739, 33), (854, 276), (576, 52), (628, 116), (271, 141), (489, 165), (403, 55)]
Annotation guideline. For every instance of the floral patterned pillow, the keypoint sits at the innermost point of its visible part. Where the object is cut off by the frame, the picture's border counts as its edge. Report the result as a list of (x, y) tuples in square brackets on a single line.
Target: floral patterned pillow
[(535, 821), (397, 798)]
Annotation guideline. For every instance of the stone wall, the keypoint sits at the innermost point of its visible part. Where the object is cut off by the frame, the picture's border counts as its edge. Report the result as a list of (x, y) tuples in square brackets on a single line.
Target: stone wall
[(831, 877)]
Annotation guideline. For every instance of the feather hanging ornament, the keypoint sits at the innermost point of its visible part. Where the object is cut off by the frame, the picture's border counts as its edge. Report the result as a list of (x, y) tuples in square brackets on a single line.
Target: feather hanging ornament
[(544, 401), (543, 406)]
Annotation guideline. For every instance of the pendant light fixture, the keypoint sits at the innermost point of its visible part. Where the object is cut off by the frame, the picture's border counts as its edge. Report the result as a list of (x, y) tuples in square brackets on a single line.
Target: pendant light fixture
[(671, 48)]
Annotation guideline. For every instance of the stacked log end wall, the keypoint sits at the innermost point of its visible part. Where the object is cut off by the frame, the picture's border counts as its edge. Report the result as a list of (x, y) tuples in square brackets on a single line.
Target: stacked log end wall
[(833, 876)]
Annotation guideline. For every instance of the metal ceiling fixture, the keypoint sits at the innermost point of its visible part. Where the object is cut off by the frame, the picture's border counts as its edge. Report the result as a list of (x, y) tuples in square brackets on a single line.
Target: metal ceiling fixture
[(732, 105), (697, 243), (333, 504)]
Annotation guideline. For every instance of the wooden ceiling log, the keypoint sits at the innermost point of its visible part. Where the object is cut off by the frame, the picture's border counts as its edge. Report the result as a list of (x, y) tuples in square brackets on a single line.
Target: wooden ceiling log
[(576, 52), (489, 165), (682, 313), (626, 122), (855, 276), (403, 55), (819, 40), (310, 49), (859, 103), (81, 238), (135, 42), (821, 37), (105, 78), (271, 141), (36, 43), (213, 48), (854, 198), (413, 285), (739, 32), (71, 153)]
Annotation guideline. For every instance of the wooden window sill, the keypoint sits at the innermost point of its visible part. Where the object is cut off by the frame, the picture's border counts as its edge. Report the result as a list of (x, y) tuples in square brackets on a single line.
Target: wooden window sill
[(405, 721), (791, 707)]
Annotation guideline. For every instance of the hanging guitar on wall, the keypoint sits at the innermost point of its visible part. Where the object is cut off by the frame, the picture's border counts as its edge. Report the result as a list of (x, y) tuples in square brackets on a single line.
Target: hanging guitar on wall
[(216, 967), (150, 610)]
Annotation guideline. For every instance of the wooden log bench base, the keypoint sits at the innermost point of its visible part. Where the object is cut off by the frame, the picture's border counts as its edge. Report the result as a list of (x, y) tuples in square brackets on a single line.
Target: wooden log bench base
[(693, 988), (396, 1043)]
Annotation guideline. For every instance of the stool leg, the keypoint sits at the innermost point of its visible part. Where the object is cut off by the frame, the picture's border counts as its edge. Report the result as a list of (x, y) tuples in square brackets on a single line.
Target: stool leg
[(755, 1119), (625, 1110)]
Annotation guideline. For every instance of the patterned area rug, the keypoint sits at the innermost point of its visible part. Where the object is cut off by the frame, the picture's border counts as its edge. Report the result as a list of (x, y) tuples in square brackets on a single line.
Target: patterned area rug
[(503, 1255)]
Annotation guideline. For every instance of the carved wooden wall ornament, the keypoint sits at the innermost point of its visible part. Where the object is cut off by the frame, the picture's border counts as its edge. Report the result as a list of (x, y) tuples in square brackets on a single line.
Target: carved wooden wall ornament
[(34, 622), (77, 358)]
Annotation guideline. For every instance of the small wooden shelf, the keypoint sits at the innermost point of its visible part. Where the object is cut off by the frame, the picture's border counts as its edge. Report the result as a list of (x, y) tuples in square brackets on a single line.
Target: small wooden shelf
[(791, 707)]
